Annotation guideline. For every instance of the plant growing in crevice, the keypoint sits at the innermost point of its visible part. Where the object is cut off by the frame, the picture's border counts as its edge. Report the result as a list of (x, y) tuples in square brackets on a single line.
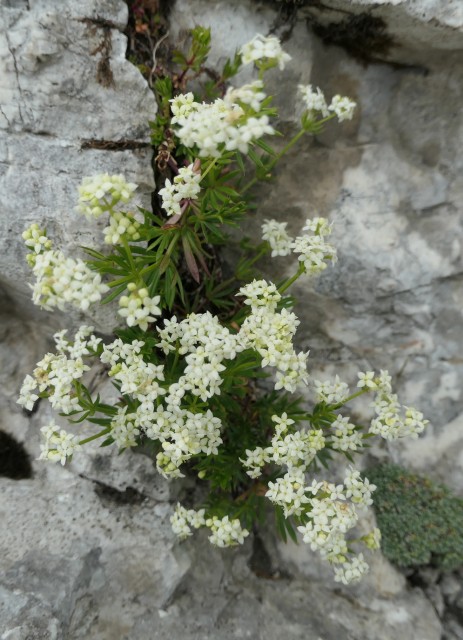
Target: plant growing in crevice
[(188, 364)]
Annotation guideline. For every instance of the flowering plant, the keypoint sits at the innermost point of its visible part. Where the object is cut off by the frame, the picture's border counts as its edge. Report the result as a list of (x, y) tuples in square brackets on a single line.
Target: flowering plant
[(187, 365)]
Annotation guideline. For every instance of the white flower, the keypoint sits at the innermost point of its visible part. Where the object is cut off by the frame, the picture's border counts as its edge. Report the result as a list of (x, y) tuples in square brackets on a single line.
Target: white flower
[(138, 308), (59, 445), (181, 106), (367, 380), (314, 100), (358, 489), (36, 238), (221, 125), (264, 48), (248, 94), (226, 532), (183, 519), (27, 399), (118, 351), (314, 253), (283, 423), (121, 226), (331, 392), (388, 422), (102, 192), (185, 186), (61, 281), (343, 107), (345, 437), (260, 293), (289, 493), (277, 237), (84, 342), (296, 450), (55, 375), (351, 571), (124, 429), (255, 460)]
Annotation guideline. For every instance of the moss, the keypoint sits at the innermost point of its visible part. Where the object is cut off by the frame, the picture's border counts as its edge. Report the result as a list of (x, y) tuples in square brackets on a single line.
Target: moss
[(421, 522)]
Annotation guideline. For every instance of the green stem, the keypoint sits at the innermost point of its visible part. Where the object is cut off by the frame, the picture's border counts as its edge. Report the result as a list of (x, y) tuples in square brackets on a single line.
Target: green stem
[(258, 255), (289, 146), (130, 257), (209, 167), (354, 395), (278, 157), (176, 358), (96, 436), (150, 268), (293, 279)]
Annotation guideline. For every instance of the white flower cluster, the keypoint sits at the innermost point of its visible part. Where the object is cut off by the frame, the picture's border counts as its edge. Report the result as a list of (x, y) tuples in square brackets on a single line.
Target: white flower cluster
[(181, 106), (388, 423), (135, 376), (313, 249), (221, 125), (343, 107), (344, 436), (84, 343), (124, 429), (357, 489), (262, 48), (138, 308), (352, 571), (331, 510), (270, 333), (59, 444), (181, 432), (276, 235), (331, 392), (36, 239), (101, 193), (61, 281), (295, 450), (185, 186), (248, 94), (183, 519), (206, 344), (224, 532), (289, 493), (122, 226), (55, 373), (315, 102), (189, 434), (331, 517)]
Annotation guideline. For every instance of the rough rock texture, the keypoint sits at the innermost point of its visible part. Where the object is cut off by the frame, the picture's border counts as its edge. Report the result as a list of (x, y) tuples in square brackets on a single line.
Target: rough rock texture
[(66, 90), (86, 551)]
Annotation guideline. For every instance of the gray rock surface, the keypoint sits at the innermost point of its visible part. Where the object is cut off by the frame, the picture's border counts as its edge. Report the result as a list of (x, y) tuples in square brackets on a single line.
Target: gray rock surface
[(66, 90), (86, 551)]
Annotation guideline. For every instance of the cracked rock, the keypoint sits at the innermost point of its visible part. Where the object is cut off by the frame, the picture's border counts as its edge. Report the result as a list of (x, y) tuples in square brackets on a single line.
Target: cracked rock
[(66, 90)]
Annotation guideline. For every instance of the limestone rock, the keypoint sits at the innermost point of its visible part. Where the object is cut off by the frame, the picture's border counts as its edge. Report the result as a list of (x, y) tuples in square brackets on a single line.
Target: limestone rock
[(80, 564), (87, 551), (66, 90)]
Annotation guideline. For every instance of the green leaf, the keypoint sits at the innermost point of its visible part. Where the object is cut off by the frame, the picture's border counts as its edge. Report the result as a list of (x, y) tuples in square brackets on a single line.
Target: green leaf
[(114, 294)]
